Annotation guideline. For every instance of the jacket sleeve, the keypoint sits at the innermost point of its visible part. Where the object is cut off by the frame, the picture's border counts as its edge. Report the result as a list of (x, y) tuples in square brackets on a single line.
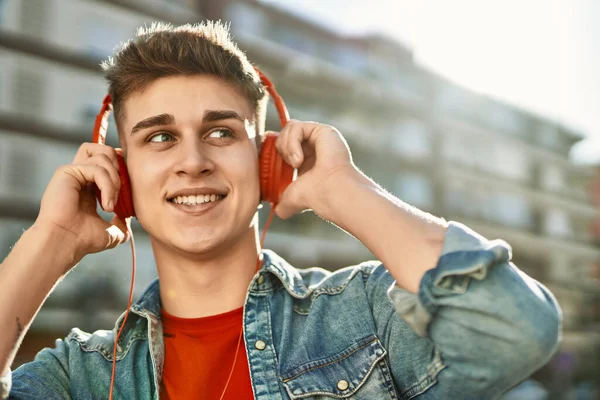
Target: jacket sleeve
[(486, 324), (46, 377)]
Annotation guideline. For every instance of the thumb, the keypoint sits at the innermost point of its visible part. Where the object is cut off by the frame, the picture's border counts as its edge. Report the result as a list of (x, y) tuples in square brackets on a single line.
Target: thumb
[(289, 204)]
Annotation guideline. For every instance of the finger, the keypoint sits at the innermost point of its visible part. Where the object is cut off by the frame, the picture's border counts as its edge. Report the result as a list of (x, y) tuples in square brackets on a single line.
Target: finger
[(85, 174), (283, 142), (287, 205), (104, 161), (88, 150), (296, 134)]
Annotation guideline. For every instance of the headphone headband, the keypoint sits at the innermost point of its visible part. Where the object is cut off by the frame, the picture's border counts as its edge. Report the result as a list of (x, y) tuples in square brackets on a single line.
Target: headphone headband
[(101, 124)]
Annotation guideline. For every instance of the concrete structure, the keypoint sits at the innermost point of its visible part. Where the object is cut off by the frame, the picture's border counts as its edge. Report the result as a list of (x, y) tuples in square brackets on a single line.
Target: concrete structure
[(443, 148)]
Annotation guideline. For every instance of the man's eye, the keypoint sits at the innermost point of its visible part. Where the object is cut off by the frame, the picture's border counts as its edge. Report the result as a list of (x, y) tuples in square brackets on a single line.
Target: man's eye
[(221, 133), (161, 137)]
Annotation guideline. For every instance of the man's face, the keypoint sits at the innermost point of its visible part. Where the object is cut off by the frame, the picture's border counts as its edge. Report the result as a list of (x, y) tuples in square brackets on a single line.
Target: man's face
[(193, 163)]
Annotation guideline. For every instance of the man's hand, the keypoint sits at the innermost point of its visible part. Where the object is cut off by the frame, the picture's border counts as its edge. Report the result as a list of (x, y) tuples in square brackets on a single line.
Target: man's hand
[(68, 205), (321, 155), (408, 241)]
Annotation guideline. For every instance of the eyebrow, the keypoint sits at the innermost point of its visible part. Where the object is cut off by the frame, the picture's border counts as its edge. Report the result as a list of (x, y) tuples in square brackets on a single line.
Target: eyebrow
[(169, 119), (157, 120), (218, 115)]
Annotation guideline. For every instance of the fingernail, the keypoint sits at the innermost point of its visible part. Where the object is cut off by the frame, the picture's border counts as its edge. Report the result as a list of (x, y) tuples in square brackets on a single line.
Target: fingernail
[(110, 205)]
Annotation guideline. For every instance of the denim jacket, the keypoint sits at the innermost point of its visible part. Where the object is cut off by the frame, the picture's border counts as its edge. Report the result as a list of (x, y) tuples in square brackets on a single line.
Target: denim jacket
[(477, 327)]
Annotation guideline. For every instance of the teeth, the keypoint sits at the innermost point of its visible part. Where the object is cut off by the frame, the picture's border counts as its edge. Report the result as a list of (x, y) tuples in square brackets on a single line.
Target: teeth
[(198, 199)]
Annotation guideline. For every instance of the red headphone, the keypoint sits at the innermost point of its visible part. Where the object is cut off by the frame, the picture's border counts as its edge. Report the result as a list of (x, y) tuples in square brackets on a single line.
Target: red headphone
[(275, 173)]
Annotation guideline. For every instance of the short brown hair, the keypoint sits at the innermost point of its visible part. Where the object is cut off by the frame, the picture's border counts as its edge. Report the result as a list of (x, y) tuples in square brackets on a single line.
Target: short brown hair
[(163, 50)]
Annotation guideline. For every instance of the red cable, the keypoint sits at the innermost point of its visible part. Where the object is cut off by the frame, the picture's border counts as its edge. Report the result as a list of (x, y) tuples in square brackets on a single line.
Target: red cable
[(114, 366)]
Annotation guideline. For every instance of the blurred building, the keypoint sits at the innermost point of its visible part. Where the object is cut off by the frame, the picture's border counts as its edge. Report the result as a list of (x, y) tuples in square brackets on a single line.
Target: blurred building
[(445, 149)]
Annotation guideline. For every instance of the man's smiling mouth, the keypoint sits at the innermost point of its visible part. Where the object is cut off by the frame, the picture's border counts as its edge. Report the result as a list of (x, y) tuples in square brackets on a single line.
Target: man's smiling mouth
[(197, 199)]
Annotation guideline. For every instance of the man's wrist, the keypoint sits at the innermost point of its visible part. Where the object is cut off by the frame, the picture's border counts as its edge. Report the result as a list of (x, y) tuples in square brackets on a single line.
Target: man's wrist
[(336, 197), (59, 244)]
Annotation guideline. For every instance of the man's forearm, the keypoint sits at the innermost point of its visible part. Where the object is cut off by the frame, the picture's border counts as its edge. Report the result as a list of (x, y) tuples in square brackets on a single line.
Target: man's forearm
[(29, 273), (408, 241)]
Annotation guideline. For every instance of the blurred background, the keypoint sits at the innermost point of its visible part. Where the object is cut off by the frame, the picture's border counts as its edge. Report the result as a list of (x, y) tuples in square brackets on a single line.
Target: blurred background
[(477, 133)]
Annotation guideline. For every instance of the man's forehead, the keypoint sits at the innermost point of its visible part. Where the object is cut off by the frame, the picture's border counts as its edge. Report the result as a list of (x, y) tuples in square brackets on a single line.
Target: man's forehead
[(185, 96)]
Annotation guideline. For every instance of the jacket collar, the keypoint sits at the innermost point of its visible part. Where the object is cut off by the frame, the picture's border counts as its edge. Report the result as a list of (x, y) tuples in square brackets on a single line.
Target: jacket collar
[(290, 278)]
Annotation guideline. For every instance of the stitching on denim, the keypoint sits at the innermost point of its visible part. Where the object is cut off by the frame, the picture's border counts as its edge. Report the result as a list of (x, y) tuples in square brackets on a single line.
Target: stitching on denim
[(358, 385), (333, 361), (106, 352), (430, 378)]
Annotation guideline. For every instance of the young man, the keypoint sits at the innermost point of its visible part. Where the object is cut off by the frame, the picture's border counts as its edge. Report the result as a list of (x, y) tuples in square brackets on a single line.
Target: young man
[(443, 314)]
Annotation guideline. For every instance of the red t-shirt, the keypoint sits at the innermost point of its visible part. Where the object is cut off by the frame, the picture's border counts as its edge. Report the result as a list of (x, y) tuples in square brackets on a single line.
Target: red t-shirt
[(199, 354)]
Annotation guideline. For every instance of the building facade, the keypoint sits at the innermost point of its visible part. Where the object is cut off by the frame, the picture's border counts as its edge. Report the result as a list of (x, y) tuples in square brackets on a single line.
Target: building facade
[(441, 147)]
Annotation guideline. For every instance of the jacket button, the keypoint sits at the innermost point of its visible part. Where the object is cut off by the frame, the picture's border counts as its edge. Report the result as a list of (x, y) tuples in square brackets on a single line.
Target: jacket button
[(261, 279), (260, 345), (342, 385)]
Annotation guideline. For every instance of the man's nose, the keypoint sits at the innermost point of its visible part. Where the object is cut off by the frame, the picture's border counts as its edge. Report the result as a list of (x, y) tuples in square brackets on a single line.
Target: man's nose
[(194, 159)]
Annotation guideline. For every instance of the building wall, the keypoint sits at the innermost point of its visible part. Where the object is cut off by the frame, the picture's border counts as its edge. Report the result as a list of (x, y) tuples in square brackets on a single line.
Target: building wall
[(436, 145)]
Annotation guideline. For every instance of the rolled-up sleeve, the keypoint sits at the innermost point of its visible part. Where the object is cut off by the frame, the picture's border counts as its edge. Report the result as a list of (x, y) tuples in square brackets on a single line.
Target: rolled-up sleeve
[(46, 377), (5, 383), (491, 321)]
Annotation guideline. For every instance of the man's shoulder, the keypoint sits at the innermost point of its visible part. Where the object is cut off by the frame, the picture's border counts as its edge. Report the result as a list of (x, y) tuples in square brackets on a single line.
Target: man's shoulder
[(102, 341), (319, 278)]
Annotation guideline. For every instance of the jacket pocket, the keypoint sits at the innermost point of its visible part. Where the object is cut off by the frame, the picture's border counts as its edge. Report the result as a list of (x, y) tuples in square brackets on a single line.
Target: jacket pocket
[(358, 372)]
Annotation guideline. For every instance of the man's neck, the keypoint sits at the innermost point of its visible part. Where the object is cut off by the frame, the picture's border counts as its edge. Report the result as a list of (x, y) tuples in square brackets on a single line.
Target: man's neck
[(194, 288)]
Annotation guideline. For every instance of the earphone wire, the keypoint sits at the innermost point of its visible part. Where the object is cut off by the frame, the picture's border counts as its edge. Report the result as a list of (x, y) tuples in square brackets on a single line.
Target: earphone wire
[(116, 344)]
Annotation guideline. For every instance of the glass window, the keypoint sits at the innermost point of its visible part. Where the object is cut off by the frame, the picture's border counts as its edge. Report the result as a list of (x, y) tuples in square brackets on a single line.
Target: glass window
[(459, 148), (504, 159), (509, 209), (245, 19), (557, 223), (549, 137), (504, 118), (347, 58), (456, 100), (552, 177), (101, 37), (412, 139), (2, 7), (415, 188)]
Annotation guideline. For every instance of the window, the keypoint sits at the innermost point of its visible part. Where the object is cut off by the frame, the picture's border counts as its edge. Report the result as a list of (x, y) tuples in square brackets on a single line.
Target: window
[(413, 139), (552, 177), (245, 19), (347, 57), (28, 91), (459, 148), (549, 137), (101, 37), (456, 100), (2, 7), (504, 118), (504, 159), (416, 189), (35, 15), (509, 209), (557, 223)]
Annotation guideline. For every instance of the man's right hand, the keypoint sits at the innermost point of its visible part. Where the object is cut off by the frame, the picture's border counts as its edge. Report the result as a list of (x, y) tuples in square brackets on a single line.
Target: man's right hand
[(68, 205)]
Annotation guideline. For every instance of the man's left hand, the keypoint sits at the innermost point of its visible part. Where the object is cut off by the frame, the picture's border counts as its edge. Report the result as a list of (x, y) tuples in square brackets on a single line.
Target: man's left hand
[(322, 157)]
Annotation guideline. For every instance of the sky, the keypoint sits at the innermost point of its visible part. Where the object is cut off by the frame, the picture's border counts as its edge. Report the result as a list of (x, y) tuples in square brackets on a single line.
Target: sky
[(540, 55)]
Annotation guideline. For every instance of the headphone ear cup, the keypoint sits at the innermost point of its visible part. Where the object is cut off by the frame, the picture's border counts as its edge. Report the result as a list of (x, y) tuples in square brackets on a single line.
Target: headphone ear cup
[(124, 207), (275, 173)]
